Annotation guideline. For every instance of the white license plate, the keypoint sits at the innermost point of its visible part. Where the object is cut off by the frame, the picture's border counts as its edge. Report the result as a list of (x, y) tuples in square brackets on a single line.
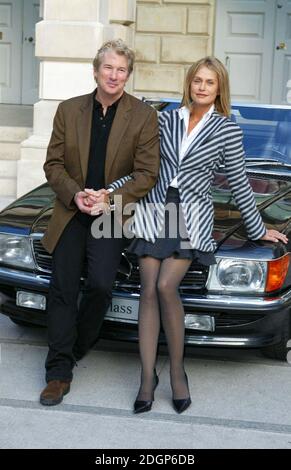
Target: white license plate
[(121, 309)]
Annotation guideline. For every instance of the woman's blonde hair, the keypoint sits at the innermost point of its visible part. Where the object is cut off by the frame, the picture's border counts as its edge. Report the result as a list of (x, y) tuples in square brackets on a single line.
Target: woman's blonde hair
[(118, 46), (222, 101)]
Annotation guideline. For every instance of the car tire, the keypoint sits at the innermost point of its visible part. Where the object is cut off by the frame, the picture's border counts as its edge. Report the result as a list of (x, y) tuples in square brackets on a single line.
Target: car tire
[(279, 351)]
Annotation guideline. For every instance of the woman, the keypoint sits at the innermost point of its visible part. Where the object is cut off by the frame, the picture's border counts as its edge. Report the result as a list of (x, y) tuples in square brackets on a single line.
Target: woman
[(195, 140)]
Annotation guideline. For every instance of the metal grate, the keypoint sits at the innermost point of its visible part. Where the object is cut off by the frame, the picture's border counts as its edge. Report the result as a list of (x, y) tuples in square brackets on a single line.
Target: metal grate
[(42, 257), (228, 319), (195, 278), (128, 273)]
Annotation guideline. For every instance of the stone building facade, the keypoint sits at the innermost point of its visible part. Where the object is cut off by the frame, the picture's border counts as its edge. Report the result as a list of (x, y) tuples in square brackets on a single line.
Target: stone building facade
[(167, 34), (66, 41)]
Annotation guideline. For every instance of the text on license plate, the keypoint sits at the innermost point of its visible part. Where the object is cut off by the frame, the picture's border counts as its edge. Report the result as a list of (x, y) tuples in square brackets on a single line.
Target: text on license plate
[(125, 310)]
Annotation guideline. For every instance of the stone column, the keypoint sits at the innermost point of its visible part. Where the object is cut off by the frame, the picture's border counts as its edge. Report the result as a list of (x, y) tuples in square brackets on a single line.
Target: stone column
[(66, 41)]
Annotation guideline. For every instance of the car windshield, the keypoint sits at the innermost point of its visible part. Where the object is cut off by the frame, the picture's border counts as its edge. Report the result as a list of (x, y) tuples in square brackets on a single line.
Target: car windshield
[(267, 132)]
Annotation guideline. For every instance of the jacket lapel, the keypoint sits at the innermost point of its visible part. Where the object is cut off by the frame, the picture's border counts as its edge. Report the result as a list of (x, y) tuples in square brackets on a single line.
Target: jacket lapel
[(178, 133), (119, 126), (84, 124), (212, 125), (172, 137)]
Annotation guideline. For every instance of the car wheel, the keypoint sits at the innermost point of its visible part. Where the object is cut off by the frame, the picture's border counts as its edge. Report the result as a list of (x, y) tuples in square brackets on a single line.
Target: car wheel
[(279, 351), (24, 323)]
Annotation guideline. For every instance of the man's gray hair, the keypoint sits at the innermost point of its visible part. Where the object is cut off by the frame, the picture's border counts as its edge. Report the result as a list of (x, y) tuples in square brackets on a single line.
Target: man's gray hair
[(118, 46)]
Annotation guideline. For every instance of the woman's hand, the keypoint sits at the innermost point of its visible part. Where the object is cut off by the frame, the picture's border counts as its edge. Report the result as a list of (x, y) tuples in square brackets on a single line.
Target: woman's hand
[(100, 208), (274, 236)]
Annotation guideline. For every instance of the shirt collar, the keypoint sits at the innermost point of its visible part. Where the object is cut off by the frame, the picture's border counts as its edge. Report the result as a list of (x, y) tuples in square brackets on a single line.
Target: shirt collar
[(184, 113), (98, 105)]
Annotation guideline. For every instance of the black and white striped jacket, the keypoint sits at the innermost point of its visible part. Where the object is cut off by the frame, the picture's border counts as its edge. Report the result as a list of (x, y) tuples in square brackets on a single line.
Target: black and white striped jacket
[(219, 142)]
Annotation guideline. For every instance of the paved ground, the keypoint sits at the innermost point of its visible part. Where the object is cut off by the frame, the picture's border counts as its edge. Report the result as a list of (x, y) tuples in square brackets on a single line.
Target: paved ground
[(240, 399)]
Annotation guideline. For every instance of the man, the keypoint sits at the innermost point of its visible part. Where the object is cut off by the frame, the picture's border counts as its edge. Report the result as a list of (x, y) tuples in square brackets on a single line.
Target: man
[(97, 139)]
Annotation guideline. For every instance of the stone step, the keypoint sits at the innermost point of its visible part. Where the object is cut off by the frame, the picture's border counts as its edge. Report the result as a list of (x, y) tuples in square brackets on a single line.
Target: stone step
[(9, 151), (14, 134), (8, 169), (5, 201), (16, 115), (7, 187), (10, 139)]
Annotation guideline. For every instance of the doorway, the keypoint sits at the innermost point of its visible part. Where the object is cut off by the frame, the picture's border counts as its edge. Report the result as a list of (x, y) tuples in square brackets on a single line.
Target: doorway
[(19, 68), (253, 40)]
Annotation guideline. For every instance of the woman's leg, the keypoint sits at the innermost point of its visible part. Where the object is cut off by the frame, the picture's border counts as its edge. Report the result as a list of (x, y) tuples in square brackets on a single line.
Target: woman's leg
[(148, 324), (171, 274)]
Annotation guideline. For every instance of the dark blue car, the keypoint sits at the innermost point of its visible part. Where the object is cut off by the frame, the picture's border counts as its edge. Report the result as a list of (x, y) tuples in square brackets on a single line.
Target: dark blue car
[(242, 301)]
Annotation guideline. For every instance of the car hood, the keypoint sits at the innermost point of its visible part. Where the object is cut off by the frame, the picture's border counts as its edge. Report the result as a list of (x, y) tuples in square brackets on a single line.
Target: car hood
[(30, 213), (273, 197)]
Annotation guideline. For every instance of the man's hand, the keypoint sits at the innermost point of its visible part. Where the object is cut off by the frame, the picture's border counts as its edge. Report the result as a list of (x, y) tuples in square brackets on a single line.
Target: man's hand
[(83, 202), (100, 201), (274, 236), (99, 196)]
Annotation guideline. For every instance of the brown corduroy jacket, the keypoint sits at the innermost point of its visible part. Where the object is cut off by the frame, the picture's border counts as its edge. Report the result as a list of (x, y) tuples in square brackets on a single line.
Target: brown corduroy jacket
[(132, 148)]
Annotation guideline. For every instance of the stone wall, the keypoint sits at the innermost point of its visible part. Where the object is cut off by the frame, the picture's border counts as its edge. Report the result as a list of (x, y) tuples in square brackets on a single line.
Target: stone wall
[(170, 35)]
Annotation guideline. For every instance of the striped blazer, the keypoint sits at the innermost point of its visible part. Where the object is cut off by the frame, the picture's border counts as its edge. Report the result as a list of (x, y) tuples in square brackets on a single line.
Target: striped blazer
[(219, 142)]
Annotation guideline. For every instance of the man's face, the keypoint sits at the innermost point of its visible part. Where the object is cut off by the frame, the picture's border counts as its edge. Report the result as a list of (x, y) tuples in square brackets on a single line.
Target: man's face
[(112, 75)]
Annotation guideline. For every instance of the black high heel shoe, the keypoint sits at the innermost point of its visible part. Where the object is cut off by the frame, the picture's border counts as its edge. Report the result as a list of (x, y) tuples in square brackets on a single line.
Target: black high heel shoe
[(184, 403), (140, 406)]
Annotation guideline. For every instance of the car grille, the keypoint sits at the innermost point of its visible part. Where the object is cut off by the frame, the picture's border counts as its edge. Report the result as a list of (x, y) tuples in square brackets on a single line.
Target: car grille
[(128, 273), (195, 278), (240, 319), (228, 319), (42, 257)]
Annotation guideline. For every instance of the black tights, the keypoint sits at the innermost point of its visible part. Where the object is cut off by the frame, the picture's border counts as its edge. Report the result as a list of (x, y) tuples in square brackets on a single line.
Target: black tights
[(160, 280)]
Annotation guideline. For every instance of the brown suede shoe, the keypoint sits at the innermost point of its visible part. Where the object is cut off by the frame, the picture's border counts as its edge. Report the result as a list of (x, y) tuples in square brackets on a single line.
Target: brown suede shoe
[(54, 392)]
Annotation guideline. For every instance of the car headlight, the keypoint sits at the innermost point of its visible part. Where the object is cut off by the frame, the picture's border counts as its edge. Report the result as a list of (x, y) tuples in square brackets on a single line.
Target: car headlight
[(248, 276), (16, 251), (238, 275)]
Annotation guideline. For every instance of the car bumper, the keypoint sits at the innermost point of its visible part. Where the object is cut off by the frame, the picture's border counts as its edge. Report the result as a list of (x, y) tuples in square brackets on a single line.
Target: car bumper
[(241, 321)]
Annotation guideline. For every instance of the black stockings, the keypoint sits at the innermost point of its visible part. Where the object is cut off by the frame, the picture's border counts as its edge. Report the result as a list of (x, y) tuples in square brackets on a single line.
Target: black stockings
[(160, 280)]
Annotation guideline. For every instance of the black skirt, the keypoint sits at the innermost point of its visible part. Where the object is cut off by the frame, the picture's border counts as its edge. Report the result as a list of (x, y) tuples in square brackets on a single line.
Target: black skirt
[(166, 246)]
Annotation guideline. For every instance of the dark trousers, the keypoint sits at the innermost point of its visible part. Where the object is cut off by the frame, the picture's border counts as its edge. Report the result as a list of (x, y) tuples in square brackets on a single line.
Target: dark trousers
[(69, 326)]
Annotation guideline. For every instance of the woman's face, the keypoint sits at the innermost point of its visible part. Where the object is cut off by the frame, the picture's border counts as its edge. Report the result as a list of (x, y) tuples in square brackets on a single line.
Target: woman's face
[(204, 87)]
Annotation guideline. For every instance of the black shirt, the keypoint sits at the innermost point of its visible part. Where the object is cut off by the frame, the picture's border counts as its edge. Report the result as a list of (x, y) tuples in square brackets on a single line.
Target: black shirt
[(101, 127)]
